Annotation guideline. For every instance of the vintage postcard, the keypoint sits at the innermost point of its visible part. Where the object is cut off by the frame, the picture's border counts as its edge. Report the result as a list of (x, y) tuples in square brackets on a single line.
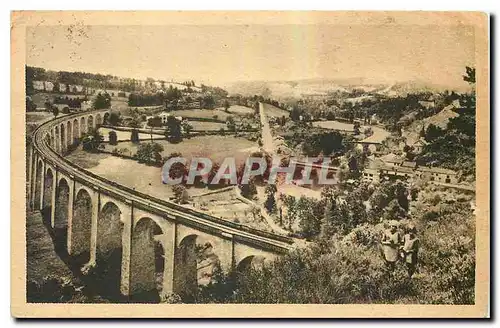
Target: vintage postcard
[(250, 164)]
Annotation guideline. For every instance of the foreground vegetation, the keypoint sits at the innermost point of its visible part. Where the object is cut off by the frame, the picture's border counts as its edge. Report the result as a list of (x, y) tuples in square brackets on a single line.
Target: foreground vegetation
[(344, 265)]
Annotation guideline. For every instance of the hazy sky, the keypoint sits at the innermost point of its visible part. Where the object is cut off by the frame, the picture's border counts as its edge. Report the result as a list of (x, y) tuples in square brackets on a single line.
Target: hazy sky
[(219, 54)]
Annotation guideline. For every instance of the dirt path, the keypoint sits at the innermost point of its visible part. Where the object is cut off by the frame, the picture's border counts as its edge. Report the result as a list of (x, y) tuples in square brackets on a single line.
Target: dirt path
[(269, 220), (267, 137)]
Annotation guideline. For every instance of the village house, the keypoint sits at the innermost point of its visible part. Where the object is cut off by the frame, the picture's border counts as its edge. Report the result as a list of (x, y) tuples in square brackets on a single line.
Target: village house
[(38, 85), (419, 145), (391, 167), (74, 88), (49, 86), (86, 105), (164, 116), (437, 174), (372, 172), (62, 87), (391, 159)]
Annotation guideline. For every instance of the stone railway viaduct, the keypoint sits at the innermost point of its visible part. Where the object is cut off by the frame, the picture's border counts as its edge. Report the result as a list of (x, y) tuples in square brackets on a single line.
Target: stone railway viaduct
[(98, 218)]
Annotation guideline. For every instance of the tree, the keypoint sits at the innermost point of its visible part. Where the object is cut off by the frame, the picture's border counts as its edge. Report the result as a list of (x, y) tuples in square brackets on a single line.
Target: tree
[(226, 105), (433, 132), (470, 75), (157, 150), (385, 193), (394, 211), (327, 228), (455, 147), (248, 190), (270, 203), (155, 121), (173, 132), (92, 141), (309, 215), (324, 142), (177, 169), (150, 153), (113, 138), (230, 123), (55, 111), (180, 194), (134, 136), (356, 128), (296, 113), (208, 101), (102, 101), (30, 105), (114, 118)]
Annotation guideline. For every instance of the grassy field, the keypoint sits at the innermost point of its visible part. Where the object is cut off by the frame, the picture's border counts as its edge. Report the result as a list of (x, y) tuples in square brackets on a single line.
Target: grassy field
[(202, 113), (40, 98), (120, 105), (334, 125), (125, 135), (86, 160), (379, 134), (238, 110), (147, 179), (38, 117), (214, 147), (144, 178), (271, 110), (207, 126)]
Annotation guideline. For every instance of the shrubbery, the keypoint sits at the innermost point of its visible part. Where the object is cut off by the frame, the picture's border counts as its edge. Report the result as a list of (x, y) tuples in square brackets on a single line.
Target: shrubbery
[(344, 264), (349, 269)]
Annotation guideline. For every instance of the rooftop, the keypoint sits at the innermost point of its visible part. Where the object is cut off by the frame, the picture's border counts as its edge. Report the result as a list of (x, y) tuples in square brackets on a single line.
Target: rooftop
[(409, 164), (391, 158), (435, 170)]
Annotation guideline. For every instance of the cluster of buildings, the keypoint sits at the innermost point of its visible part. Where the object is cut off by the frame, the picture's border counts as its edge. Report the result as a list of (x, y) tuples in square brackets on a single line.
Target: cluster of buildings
[(392, 166), (164, 117), (57, 87)]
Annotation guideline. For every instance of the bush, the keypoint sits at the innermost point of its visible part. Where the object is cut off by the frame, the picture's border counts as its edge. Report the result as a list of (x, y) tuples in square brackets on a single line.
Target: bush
[(430, 216), (180, 194), (150, 153), (248, 190), (350, 269)]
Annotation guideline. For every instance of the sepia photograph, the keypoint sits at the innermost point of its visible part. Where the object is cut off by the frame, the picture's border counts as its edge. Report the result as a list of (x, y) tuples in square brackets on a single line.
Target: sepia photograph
[(265, 160)]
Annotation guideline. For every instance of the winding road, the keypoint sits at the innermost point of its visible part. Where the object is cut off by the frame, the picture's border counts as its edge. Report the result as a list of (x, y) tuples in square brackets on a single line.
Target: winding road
[(266, 135)]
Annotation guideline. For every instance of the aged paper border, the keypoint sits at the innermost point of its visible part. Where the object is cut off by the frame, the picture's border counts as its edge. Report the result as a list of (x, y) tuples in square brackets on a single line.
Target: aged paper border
[(19, 22)]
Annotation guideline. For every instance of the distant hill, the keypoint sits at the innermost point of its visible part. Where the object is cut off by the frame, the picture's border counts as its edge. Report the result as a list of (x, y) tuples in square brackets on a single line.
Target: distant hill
[(412, 132), (403, 88), (312, 87)]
